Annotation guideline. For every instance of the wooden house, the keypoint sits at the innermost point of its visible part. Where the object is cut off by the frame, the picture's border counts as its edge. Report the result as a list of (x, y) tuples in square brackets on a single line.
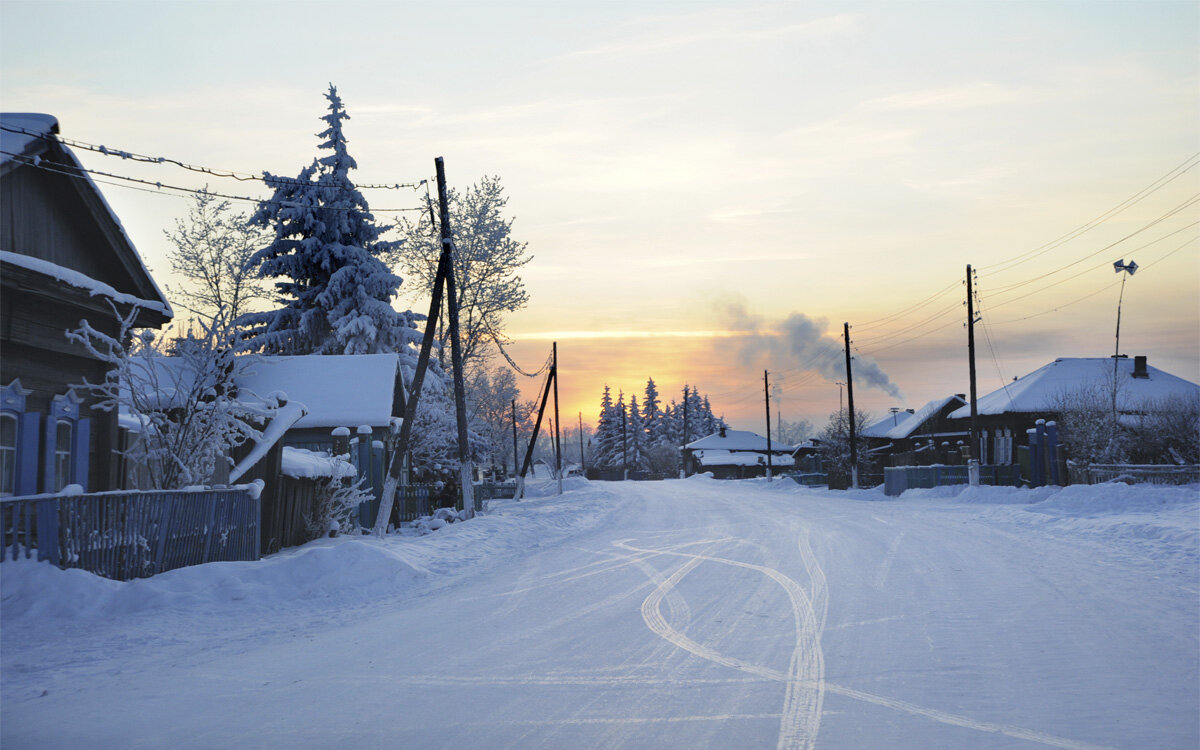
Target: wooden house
[(736, 454), (1004, 415), (64, 257), (917, 437)]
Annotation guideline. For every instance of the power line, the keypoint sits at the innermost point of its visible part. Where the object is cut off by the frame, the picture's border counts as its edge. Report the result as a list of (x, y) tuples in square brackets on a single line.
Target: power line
[(1191, 201), (1102, 264), (84, 173), (1106, 287), (215, 172), (1153, 187)]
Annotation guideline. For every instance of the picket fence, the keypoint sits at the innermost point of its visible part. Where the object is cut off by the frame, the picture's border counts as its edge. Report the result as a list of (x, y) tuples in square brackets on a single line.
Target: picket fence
[(132, 534)]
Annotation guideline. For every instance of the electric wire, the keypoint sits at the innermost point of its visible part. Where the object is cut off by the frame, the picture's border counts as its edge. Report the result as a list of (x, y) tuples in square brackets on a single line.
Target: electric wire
[(146, 185), (213, 171), (1181, 169), (1191, 201), (1102, 264)]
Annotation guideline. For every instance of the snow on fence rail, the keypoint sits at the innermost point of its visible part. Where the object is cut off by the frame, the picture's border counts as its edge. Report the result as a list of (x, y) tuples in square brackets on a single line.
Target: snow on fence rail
[(133, 534), (1135, 473)]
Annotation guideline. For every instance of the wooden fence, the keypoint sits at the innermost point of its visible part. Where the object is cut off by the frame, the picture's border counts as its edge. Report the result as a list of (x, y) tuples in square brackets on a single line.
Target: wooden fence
[(897, 479), (1134, 473), (131, 534)]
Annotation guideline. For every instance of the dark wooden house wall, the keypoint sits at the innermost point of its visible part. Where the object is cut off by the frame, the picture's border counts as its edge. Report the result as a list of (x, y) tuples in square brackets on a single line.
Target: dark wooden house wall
[(58, 219)]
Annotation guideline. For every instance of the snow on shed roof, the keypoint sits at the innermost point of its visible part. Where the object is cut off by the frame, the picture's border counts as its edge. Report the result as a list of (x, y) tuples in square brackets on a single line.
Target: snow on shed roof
[(737, 440), (338, 390), (904, 424), (1041, 390), (34, 137), (728, 458)]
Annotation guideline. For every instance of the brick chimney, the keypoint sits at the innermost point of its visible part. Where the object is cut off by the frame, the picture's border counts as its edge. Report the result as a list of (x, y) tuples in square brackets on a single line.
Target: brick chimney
[(1139, 367), (722, 432)]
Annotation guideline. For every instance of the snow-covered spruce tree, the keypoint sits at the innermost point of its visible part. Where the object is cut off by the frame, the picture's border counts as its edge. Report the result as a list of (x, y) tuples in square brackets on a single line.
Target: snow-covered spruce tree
[(487, 261), (608, 435), (210, 249), (636, 437), (184, 406), (335, 291), (652, 413)]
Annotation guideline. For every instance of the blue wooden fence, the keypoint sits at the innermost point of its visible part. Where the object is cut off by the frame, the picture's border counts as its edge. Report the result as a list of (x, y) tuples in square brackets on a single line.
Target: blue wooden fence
[(125, 535), (897, 479)]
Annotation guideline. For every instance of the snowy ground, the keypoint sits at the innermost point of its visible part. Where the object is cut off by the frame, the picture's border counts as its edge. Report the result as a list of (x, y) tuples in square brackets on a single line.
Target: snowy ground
[(689, 613)]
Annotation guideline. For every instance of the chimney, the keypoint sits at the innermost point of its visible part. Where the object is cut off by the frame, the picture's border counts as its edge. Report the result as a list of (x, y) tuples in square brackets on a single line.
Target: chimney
[(722, 431), (1139, 367)]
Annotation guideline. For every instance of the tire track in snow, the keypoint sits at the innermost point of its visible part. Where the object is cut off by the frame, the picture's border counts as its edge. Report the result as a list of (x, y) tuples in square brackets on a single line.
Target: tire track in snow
[(663, 629), (886, 566), (804, 696)]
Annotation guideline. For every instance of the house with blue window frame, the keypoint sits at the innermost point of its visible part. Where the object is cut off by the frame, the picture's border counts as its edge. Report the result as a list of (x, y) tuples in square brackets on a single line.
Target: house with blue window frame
[(64, 258)]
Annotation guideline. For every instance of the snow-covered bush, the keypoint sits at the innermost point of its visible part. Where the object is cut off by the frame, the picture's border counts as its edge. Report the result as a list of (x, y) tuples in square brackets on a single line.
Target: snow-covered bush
[(181, 411), (335, 510), (834, 447)]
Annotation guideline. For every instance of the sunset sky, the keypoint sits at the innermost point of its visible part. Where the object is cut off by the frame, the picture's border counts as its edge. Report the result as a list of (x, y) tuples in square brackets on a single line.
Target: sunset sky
[(708, 189)]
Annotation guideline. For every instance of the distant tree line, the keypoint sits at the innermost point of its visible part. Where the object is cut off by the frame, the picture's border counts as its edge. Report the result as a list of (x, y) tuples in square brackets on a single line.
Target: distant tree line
[(647, 437)]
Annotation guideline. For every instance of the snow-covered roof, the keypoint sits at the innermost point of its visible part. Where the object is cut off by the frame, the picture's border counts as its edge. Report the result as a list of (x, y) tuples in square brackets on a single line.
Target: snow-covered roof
[(338, 390), (74, 278), (738, 440), (30, 139), (34, 136), (334, 390), (1042, 389), (741, 458), (904, 424)]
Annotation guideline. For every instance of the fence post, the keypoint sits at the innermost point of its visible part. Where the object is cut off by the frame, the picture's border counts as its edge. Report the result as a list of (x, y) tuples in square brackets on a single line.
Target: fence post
[(47, 530), (164, 520), (1052, 453), (1035, 458)]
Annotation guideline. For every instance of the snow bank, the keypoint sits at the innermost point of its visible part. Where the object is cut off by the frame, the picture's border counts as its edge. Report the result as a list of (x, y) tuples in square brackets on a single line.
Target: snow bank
[(345, 571)]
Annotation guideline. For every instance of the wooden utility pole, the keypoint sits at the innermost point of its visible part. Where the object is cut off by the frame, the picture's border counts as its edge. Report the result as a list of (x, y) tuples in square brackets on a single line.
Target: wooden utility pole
[(516, 467), (850, 406), (396, 466), (624, 447), (557, 442), (975, 452), (682, 468), (456, 361), (536, 428), (582, 459), (767, 401)]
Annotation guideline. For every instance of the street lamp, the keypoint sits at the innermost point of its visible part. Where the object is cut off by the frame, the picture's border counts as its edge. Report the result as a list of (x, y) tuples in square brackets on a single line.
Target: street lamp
[(1129, 269)]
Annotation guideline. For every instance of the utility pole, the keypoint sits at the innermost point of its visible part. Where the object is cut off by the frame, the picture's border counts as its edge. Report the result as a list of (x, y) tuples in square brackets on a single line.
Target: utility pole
[(767, 401), (624, 451), (456, 361), (516, 467), (582, 459), (975, 452), (850, 404), (557, 441), (682, 469), (839, 384)]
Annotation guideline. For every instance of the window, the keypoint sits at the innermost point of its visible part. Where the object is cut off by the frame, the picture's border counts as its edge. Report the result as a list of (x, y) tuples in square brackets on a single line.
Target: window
[(8, 454), (62, 453)]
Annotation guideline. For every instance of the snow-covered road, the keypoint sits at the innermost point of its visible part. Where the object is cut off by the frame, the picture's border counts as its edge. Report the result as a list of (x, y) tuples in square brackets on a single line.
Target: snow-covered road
[(672, 614)]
